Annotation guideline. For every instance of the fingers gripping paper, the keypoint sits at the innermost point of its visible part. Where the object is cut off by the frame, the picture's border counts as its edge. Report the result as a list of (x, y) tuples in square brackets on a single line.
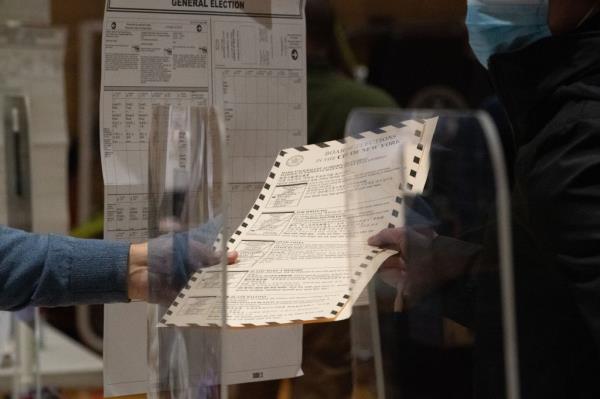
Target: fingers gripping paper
[(296, 264)]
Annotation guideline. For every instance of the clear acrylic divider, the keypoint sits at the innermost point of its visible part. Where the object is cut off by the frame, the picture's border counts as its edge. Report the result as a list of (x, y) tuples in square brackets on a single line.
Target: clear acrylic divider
[(437, 320), (186, 226)]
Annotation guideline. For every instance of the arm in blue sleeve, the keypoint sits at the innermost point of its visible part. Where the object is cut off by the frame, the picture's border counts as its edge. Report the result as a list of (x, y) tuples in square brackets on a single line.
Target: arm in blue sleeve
[(48, 270)]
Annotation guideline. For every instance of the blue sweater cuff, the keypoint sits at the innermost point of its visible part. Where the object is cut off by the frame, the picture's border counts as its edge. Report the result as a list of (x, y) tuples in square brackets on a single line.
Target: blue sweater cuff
[(96, 270)]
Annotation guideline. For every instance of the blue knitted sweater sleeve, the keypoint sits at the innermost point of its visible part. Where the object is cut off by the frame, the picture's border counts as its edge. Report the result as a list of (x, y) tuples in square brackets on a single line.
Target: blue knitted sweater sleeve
[(49, 270)]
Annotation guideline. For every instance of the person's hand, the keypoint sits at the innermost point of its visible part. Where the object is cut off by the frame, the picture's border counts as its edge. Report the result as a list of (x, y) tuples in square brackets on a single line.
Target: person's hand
[(139, 270), (413, 277), (137, 279), (425, 261)]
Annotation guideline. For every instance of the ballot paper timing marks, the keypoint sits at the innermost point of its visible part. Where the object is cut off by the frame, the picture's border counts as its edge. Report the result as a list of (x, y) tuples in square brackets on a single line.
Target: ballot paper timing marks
[(302, 246)]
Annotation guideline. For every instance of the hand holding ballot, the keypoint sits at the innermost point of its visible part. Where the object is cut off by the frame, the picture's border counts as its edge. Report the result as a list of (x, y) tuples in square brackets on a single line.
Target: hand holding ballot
[(425, 262), (412, 280), (159, 268)]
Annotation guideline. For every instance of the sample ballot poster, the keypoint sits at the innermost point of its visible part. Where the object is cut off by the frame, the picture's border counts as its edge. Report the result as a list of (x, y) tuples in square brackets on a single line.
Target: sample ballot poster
[(245, 57)]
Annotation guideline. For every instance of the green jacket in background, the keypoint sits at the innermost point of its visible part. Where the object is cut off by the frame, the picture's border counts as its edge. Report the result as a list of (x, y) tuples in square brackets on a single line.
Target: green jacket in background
[(331, 98)]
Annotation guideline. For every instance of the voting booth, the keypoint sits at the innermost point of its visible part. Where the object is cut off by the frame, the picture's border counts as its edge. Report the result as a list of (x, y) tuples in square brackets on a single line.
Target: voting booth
[(440, 314)]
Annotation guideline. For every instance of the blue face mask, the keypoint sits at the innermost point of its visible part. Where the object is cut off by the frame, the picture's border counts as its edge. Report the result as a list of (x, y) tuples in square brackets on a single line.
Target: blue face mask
[(497, 26)]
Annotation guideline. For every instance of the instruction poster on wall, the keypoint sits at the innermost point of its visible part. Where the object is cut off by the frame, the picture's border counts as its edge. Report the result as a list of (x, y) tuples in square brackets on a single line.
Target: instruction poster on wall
[(246, 58)]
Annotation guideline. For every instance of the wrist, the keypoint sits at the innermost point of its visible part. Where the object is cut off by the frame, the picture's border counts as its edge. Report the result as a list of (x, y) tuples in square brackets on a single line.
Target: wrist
[(137, 276)]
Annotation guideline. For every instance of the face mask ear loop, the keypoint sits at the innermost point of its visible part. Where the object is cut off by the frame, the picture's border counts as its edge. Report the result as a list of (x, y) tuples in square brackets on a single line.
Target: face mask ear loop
[(591, 12)]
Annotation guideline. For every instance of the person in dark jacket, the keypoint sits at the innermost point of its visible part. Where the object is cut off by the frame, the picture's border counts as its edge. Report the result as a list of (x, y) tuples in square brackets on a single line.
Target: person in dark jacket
[(545, 66), (551, 92)]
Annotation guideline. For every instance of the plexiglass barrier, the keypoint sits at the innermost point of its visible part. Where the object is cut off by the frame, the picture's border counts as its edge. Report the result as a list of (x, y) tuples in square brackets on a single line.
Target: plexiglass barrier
[(186, 225), (438, 317), (207, 330), (402, 227)]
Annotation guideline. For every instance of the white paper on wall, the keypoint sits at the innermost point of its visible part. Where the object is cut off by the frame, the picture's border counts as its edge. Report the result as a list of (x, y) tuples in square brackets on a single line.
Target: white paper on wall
[(248, 59)]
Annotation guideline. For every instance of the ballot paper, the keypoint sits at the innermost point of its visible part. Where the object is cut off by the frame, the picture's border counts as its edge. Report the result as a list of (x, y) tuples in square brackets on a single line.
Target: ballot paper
[(33, 124), (247, 59), (303, 246)]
